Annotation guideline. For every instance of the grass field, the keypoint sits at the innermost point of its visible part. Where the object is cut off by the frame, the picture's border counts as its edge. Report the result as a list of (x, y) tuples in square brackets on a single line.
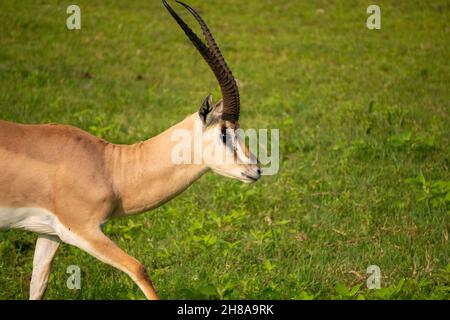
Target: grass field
[(364, 128)]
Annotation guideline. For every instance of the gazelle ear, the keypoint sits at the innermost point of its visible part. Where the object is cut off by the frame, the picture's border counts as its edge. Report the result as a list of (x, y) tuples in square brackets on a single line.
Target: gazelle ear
[(205, 110)]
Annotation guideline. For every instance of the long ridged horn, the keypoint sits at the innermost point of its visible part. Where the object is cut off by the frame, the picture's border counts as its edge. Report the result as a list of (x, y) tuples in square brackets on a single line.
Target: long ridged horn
[(214, 58)]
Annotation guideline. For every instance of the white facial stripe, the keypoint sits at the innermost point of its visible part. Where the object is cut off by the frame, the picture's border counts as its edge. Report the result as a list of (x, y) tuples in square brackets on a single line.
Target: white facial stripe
[(236, 144), (244, 155)]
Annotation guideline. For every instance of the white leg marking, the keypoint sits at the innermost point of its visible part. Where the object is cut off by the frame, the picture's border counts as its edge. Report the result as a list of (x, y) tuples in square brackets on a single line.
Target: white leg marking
[(46, 247), (52, 233), (111, 254)]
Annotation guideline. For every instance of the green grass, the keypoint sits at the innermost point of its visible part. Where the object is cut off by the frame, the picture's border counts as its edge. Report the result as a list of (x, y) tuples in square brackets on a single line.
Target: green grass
[(364, 128)]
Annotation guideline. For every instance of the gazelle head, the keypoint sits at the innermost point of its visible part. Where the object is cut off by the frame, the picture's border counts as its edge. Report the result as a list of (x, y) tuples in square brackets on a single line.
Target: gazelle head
[(224, 149)]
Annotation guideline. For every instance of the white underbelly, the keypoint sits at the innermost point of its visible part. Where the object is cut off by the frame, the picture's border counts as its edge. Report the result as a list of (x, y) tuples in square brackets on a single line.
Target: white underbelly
[(31, 219)]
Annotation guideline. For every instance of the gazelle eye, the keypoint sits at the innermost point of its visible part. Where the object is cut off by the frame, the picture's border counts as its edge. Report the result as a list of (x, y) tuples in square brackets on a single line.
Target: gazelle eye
[(223, 135)]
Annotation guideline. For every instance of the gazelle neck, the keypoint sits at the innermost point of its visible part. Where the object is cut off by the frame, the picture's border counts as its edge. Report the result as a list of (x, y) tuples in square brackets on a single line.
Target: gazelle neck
[(144, 174)]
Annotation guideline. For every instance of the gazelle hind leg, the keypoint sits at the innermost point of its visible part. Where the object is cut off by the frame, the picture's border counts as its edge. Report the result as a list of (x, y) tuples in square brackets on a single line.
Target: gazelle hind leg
[(104, 249), (44, 252)]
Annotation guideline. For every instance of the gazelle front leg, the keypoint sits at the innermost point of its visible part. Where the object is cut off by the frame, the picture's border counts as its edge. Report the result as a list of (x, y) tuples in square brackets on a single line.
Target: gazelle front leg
[(44, 252), (101, 247)]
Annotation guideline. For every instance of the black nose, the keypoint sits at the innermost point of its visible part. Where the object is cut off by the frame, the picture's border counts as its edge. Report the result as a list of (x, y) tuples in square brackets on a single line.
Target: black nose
[(259, 171)]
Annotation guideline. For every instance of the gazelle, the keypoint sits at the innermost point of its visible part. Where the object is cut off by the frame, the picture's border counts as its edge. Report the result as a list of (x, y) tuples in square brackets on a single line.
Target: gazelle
[(63, 183)]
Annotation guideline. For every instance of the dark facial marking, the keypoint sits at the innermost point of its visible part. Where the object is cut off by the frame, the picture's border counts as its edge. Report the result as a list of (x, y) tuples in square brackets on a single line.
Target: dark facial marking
[(223, 135)]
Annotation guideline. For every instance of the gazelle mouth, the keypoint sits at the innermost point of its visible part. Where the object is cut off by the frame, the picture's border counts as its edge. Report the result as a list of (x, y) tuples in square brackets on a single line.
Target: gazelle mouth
[(253, 179)]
